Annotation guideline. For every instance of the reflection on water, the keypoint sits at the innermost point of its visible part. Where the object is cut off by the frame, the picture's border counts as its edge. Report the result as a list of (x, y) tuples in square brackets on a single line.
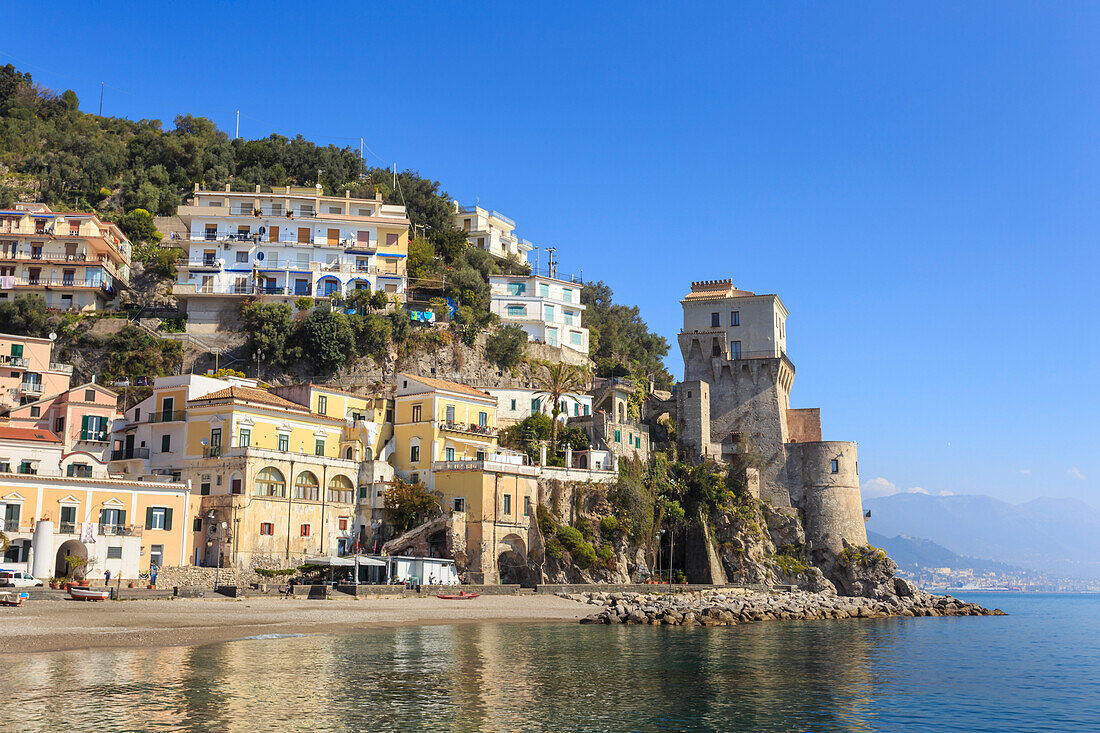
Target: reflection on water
[(845, 676)]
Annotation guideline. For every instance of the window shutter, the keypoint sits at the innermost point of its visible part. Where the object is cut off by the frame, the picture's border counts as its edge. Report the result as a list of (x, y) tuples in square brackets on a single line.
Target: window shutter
[(122, 517), (148, 517), (103, 516), (84, 423), (167, 519)]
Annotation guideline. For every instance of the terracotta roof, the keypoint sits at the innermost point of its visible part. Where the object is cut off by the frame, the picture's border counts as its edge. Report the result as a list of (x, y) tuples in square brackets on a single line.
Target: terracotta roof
[(713, 289), (250, 394), (32, 434), (449, 386)]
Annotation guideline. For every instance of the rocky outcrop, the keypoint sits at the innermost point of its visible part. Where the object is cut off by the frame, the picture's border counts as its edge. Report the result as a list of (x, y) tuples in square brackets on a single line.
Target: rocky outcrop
[(729, 607)]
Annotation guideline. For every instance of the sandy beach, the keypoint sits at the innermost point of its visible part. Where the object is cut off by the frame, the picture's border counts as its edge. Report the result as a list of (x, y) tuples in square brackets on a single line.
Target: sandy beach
[(64, 625)]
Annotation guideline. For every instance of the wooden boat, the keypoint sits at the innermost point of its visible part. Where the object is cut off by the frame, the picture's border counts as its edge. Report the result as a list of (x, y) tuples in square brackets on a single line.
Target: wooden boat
[(13, 599), (88, 594), (463, 596)]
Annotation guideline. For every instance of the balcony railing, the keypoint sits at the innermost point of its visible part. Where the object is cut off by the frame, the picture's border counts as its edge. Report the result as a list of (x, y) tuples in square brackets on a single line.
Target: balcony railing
[(67, 528), (212, 451), (471, 428), (122, 530), (9, 525), (63, 368), (95, 436), (31, 387), (14, 361), (126, 454), (167, 416), (490, 466)]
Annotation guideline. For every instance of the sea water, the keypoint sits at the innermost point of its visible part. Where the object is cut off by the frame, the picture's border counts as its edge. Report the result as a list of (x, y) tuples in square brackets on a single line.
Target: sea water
[(1034, 670)]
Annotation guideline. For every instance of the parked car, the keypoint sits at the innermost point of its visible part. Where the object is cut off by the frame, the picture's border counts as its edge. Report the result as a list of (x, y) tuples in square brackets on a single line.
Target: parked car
[(124, 382), (17, 579), (142, 382)]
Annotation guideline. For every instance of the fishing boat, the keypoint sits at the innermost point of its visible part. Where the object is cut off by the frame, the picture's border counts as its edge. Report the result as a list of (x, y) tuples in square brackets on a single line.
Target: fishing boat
[(88, 594), (463, 596), (13, 599)]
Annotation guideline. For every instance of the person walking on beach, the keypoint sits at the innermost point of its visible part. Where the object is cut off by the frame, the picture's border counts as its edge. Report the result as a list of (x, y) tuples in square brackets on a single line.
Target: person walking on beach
[(106, 577)]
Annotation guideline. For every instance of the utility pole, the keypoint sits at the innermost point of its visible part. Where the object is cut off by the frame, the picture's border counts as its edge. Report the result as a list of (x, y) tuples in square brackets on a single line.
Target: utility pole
[(100, 99), (237, 133), (550, 270)]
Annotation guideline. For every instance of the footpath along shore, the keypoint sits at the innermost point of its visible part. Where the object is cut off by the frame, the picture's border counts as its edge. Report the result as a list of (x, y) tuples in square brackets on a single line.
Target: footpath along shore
[(723, 607)]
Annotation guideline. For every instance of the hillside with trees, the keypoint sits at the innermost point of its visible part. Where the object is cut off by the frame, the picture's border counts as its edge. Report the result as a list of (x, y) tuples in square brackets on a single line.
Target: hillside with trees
[(130, 171)]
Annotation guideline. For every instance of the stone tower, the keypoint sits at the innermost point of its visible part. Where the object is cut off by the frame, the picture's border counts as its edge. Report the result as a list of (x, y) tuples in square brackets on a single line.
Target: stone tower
[(735, 398)]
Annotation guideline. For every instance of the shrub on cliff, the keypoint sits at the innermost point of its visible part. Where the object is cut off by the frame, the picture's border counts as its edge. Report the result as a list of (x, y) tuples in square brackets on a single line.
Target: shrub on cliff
[(584, 555), (570, 538), (327, 339), (506, 346), (609, 525)]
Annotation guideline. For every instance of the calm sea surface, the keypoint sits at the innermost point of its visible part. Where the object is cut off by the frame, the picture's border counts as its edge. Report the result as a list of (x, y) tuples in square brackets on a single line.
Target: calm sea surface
[(1035, 670)]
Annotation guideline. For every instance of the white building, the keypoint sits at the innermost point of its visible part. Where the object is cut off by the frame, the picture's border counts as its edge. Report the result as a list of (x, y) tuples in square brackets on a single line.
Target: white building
[(516, 404), (547, 309), (491, 232), (286, 244)]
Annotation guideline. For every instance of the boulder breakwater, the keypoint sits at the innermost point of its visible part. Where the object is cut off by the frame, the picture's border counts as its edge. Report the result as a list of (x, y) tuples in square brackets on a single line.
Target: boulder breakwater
[(720, 607)]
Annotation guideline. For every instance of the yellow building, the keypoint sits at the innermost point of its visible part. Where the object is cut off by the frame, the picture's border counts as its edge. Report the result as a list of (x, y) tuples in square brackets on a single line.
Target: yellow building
[(368, 418), (74, 260), (122, 526)]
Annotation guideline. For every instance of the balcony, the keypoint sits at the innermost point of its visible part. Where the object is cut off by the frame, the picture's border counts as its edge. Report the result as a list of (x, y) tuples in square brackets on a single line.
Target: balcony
[(94, 436), (120, 530), (270, 290), (9, 525), (30, 387), (67, 528), (127, 454), (63, 368), (212, 451), (486, 466), (14, 361), (470, 429), (167, 416), (206, 263)]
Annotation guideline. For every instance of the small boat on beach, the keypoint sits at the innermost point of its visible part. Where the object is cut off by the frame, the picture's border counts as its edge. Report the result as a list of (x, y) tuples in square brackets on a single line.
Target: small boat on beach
[(463, 596), (12, 599), (88, 594)]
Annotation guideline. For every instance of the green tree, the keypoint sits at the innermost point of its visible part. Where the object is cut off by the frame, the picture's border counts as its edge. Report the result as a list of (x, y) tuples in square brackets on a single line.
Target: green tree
[(506, 346), (26, 315), (554, 381), (421, 258), (620, 342), (407, 505), (270, 328), (327, 339)]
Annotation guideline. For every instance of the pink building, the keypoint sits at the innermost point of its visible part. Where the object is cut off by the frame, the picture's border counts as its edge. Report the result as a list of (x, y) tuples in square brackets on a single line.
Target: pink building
[(82, 418), (28, 372)]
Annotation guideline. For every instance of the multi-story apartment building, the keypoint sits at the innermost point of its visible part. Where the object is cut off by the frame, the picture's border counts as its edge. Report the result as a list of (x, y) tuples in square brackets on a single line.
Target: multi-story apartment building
[(82, 417), (492, 232), (50, 512), (286, 244), (76, 261), (28, 372), (515, 404), (547, 309)]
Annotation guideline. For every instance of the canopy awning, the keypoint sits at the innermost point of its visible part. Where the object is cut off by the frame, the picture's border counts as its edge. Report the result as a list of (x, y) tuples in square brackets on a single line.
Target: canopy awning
[(346, 562)]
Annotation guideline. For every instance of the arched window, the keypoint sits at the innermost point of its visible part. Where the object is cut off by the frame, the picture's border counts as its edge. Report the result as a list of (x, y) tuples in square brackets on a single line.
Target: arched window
[(270, 482), (349, 453), (368, 454), (307, 487), (341, 490)]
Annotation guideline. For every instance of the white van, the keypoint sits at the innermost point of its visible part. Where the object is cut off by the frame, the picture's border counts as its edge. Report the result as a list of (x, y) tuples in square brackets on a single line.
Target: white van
[(17, 579)]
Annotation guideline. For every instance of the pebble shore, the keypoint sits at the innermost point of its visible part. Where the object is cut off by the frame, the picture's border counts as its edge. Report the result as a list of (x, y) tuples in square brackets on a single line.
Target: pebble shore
[(729, 608)]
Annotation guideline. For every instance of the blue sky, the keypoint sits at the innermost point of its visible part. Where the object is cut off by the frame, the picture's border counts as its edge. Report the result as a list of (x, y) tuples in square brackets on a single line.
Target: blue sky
[(918, 184)]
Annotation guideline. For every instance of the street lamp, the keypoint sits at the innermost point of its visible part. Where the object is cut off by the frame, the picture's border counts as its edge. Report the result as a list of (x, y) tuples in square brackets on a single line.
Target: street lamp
[(258, 356), (660, 532)]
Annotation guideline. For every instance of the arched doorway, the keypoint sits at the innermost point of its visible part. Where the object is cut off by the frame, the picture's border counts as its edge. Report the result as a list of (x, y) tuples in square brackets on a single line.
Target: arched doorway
[(512, 561), (69, 547)]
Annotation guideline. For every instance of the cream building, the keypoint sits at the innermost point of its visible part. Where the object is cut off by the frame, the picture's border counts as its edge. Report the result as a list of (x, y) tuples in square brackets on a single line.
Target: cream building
[(547, 309), (121, 525), (515, 404), (285, 244), (492, 232)]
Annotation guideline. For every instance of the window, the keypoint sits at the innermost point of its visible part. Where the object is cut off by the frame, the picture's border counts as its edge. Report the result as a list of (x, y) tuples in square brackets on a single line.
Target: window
[(114, 553), (714, 321), (204, 488), (307, 487), (536, 406), (158, 517), (196, 525), (167, 406), (567, 295), (305, 530), (235, 485), (448, 454), (17, 350), (414, 478), (507, 503), (527, 506), (544, 290), (547, 312), (586, 409), (80, 470), (834, 466), (517, 311), (459, 504), (735, 349), (322, 404), (450, 413), (319, 447), (166, 444), (342, 523), (245, 438), (36, 411), (513, 405), (414, 454), (267, 528), (156, 555), (480, 455), (284, 442), (618, 436), (242, 256), (575, 338), (89, 395), (340, 490), (58, 424), (517, 288), (270, 482), (483, 419), (416, 413), (735, 318)]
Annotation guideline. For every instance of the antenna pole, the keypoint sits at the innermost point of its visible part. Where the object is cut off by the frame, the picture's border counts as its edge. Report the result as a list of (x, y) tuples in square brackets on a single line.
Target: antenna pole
[(100, 99), (238, 132)]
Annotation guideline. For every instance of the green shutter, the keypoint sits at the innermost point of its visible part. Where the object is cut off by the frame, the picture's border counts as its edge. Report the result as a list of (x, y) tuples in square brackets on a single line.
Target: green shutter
[(122, 518), (103, 516), (167, 519), (84, 423), (148, 517)]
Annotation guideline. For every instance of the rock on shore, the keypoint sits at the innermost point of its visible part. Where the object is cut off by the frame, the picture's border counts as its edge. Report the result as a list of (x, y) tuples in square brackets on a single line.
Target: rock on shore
[(729, 607)]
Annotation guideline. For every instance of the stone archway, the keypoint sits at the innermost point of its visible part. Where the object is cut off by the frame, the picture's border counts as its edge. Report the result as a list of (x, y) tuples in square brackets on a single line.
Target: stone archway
[(512, 561), (69, 547)]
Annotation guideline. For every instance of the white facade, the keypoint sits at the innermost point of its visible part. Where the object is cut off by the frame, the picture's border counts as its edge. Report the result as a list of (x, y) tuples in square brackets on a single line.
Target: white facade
[(290, 244), (491, 232), (547, 309), (753, 326), (514, 404)]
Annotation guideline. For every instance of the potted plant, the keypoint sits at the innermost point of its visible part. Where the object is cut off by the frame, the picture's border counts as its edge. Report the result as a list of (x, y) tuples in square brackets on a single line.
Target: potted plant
[(79, 567), (53, 582)]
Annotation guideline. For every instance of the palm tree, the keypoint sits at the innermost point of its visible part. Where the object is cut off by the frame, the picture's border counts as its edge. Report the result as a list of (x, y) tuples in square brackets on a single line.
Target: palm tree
[(555, 381)]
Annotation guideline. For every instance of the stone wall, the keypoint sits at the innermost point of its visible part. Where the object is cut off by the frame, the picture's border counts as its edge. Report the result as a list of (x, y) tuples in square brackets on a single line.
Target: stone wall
[(804, 425)]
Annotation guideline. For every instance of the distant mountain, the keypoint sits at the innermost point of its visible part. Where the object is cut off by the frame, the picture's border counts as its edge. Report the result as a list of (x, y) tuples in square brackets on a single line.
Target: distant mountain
[(1056, 536), (915, 553)]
